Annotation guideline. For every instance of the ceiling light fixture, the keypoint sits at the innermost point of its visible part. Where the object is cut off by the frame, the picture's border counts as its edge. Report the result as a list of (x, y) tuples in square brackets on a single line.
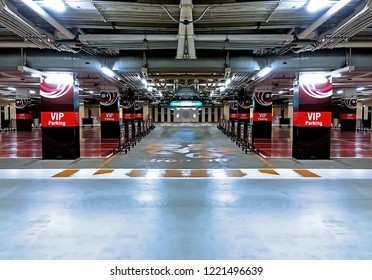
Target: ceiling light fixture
[(340, 91), (107, 71), (316, 5), (57, 5), (264, 72), (338, 72), (34, 73), (360, 88), (32, 92), (12, 89)]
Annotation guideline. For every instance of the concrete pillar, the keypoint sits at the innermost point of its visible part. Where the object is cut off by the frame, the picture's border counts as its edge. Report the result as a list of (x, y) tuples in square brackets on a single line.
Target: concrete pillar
[(312, 117), (203, 114), (262, 115), (290, 113), (156, 114), (23, 114), (162, 113), (210, 114), (110, 115), (348, 114), (60, 116), (169, 114)]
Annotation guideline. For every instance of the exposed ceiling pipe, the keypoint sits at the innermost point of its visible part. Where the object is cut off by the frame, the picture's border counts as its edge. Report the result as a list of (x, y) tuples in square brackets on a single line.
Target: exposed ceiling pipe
[(60, 61), (36, 8), (169, 37), (345, 44), (326, 16), (358, 21), (14, 22)]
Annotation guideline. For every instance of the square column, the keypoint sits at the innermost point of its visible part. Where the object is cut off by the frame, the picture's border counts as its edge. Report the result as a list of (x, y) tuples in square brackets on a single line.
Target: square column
[(110, 115), (312, 117), (23, 114), (138, 108), (262, 115), (233, 114), (129, 117), (243, 117), (348, 114), (59, 116)]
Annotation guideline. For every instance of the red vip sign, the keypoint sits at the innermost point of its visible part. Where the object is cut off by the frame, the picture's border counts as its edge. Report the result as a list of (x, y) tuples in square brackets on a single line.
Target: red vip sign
[(59, 119), (348, 116), (110, 117), (23, 116), (243, 116), (312, 119), (139, 116), (262, 117), (232, 116), (129, 116)]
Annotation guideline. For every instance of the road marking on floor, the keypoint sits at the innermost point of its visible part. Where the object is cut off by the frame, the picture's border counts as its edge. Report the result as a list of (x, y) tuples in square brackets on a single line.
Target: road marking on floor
[(306, 173), (268, 171), (263, 160), (66, 173), (150, 174), (103, 164), (103, 171)]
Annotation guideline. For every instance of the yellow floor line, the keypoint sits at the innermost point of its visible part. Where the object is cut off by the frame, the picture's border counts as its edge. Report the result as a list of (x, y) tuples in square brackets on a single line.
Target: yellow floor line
[(268, 171), (183, 173), (66, 173), (306, 173), (103, 171), (107, 160), (263, 160)]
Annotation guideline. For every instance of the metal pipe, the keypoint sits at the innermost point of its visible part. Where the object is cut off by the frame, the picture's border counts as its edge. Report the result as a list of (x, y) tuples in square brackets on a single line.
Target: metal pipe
[(36, 8), (326, 16)]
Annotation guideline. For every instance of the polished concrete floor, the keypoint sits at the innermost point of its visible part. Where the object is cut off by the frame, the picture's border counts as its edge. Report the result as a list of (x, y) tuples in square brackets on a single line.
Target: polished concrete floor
[(211, 217)]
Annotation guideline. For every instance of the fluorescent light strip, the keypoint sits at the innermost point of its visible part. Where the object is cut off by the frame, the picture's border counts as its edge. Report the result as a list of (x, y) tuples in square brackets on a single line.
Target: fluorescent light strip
[(264, 72), (107, 72), (57, 5)]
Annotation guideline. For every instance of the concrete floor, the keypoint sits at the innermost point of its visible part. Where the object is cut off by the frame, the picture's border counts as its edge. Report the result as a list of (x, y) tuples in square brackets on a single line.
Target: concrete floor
[(209, 218)]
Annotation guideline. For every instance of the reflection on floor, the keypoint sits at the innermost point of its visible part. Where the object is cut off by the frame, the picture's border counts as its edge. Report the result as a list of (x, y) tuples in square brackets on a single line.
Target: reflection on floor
[(28, 144), (343, 144)]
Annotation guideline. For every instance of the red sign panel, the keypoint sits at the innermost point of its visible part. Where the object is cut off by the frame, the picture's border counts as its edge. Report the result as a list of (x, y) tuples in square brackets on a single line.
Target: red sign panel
[(346, 116), (242, 116), (139, 116), (23, 116), (129, 116), (59, 119), (232, 116), (262, 117), (312, 119), (110, 117)]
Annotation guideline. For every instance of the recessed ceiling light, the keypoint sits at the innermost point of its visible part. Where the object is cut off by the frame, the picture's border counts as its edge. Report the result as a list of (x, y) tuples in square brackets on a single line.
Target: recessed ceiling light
[(57, 5)]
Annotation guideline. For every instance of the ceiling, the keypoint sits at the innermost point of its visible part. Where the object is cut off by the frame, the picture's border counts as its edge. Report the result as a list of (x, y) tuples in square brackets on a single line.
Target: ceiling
[(167, 50)]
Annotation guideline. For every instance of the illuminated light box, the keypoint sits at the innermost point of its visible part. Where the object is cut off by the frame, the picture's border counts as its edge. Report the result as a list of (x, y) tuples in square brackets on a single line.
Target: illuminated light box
[(186, 103)]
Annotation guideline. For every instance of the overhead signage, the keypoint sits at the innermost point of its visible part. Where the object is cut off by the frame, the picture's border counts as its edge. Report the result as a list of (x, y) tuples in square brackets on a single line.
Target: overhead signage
[(186, 103)]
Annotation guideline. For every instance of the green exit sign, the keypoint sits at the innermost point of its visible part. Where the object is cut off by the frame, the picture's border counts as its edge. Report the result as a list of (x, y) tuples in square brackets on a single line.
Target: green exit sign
[(186, 103)]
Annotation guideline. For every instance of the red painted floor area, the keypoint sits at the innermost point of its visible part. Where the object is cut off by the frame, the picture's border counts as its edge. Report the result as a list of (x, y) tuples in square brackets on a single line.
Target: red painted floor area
[(28, 144), (343, 144)]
